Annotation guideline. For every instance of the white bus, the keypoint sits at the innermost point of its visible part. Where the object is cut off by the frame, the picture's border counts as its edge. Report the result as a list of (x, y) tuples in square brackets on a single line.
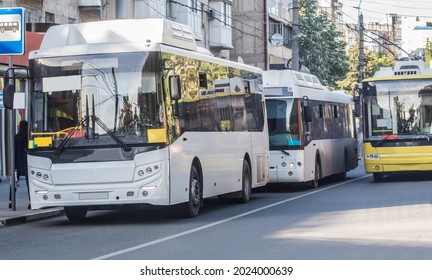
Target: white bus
[(311, 129), (127, 112)]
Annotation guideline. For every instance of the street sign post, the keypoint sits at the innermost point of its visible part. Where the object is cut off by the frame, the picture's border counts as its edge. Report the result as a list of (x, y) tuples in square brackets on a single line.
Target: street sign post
[(12, 31), (12, 42)]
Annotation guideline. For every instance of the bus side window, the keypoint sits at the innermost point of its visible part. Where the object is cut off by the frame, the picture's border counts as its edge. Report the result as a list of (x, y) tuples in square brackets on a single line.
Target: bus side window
[(203, 80)]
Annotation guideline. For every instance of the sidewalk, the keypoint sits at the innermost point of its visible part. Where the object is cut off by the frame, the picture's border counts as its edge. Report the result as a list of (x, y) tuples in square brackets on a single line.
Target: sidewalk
[(10, 217)]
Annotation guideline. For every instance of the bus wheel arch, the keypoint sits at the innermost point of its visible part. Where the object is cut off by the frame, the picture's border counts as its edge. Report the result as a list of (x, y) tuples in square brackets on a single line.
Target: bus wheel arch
[(195, 191)]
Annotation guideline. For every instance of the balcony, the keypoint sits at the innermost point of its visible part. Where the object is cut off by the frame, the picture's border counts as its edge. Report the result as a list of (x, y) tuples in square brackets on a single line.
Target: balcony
[(220, 36), (188, 16), (90, 3), (220, 30)]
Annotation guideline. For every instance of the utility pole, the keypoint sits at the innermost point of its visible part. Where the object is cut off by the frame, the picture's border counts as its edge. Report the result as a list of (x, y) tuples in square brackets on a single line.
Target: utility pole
[(295, 60), (361, 49)]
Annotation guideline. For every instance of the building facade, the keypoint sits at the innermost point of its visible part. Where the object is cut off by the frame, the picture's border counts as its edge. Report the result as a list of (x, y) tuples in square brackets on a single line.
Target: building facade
[(262, 33)]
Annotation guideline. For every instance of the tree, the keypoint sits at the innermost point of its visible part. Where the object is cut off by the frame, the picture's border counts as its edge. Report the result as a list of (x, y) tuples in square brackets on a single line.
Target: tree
[(322, 49), (373, 60)]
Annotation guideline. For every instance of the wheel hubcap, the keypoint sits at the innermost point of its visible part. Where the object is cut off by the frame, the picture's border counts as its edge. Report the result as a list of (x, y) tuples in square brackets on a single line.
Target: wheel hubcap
[(195, 192)]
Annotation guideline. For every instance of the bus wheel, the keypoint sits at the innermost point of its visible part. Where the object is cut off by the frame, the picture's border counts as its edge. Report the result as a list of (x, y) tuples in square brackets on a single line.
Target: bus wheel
[(195, 184), (246, 183), (76, 213), (315, 182), (378, 177)]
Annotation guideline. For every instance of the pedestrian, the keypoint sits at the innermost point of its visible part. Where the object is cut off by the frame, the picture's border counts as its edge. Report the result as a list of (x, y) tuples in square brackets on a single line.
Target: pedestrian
[(20, 145)]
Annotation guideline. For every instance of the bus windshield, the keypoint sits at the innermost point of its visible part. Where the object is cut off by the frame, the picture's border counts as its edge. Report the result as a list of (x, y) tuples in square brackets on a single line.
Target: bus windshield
[(398, 108), (283, 123), (106, 98)]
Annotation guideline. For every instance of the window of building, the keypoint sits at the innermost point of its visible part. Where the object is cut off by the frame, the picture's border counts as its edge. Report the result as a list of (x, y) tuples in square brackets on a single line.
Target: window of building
[(194, 6), (49, 17), (227, 14), (276, 27)]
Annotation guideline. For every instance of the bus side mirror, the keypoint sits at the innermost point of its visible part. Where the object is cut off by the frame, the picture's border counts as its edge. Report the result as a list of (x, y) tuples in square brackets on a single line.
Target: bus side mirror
[(307, 113), (9, 88), (357, 107), (175, 87)]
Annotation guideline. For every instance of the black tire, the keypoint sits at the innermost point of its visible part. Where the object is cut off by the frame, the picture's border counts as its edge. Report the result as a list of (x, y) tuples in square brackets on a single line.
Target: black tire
[(192, 207), (342, 176), (246, 192), (315, 182), (378, 177), (76, 213)]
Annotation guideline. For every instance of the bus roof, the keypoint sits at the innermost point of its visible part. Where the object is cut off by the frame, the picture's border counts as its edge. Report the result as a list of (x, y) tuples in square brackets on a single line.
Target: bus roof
[(127, 35), (71, 38), (298, 85), (288, 77), (403, 70)]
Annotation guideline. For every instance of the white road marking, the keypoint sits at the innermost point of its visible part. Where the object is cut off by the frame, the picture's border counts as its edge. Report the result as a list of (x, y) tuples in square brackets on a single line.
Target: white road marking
[(180, 234)]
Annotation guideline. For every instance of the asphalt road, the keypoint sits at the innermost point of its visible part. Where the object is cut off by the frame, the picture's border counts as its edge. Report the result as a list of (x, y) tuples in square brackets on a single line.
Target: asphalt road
[(354, 219)]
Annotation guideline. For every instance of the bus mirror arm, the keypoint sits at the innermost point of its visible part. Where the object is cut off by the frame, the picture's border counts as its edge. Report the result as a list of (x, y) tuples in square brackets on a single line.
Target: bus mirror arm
[(307, 110), (357, 107), (9, 88), (307, 113)]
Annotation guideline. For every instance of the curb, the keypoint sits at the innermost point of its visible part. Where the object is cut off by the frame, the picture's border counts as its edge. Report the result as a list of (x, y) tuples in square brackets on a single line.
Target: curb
[(30, 217)]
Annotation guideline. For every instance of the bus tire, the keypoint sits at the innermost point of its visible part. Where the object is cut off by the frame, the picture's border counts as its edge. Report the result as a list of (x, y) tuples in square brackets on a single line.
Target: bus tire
[(378, 177), (246, 192), (76, 213), (192, 206), (315, 182), (342, 175)]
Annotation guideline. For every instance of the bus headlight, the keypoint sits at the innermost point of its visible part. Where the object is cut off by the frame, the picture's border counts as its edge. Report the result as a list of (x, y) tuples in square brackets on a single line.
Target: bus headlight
[(146, 171), (41, 175), (290, 164), (372, 156)]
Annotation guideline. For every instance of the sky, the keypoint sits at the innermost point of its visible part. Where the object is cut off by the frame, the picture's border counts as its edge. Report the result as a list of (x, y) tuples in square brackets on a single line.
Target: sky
[(376, 10)]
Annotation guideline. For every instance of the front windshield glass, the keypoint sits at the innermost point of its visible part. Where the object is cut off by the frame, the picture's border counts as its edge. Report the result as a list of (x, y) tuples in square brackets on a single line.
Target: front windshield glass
[(282, 117), (398, 108), (96, 98)]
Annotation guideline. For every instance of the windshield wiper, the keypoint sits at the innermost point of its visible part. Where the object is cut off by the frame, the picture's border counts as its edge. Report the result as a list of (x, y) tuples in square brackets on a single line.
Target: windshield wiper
[(95, 119), (385, 137), (110, 133), (63, 143), (85, 122)]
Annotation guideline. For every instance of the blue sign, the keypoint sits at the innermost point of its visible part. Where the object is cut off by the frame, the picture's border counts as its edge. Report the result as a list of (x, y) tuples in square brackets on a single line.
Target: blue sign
[(12, 31)]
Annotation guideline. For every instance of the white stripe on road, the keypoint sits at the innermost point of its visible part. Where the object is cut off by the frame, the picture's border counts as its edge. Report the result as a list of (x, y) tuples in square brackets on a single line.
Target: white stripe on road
[(160, 240)]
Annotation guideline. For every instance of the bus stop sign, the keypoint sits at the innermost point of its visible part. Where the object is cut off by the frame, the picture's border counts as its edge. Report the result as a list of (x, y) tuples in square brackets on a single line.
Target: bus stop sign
[(12, 31)]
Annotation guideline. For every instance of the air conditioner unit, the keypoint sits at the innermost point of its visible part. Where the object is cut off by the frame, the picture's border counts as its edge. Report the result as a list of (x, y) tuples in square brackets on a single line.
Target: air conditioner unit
[(211, 14)]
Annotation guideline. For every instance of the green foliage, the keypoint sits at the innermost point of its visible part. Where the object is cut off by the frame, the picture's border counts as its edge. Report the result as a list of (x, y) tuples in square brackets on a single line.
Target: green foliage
[(322, 49), (373, 62)]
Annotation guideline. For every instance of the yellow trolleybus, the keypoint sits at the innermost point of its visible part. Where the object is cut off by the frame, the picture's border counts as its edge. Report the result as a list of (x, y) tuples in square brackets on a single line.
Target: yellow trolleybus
[(397, 114)]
